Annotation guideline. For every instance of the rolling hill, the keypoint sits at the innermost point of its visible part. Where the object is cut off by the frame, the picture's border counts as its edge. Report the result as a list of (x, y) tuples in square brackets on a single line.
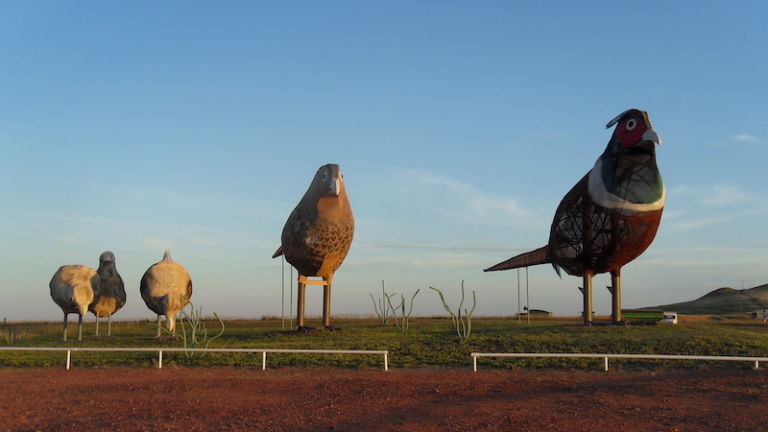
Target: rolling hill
[(723, 301)]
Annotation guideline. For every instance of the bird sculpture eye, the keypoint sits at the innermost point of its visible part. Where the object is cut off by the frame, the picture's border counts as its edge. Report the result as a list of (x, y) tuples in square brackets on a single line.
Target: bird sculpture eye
[(631, 124), (325, 175)]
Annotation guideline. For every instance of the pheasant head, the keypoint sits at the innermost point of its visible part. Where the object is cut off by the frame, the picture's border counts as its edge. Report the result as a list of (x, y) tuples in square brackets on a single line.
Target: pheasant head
[(626, 176)]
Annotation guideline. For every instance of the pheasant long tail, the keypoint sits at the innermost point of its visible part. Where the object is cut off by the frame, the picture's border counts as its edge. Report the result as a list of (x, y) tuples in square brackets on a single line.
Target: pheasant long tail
[(532, 258)]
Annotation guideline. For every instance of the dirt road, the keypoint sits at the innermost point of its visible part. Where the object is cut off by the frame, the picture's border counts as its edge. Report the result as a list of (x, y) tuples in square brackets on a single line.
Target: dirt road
[(228, 399)]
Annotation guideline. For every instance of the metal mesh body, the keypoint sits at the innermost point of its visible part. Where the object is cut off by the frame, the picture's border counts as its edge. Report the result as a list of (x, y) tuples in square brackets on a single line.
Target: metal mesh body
[(585, 235)]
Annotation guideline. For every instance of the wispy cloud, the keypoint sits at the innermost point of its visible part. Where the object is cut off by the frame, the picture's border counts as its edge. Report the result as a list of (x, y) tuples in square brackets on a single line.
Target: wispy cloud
[(704, 257), (432, 261), (476, 204), (697, 207), (452, 247), (719, 195), (745, 137), (725, 195)]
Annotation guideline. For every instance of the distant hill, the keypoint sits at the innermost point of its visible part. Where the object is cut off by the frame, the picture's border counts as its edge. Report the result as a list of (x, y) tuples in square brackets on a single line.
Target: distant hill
[(723, 301)]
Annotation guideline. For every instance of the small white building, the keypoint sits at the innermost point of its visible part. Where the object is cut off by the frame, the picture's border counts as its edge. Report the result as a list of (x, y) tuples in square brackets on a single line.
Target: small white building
[(759, 314)]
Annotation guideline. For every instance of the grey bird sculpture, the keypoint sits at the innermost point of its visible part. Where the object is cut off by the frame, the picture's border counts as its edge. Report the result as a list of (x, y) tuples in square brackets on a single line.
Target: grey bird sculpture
[(111, 296)]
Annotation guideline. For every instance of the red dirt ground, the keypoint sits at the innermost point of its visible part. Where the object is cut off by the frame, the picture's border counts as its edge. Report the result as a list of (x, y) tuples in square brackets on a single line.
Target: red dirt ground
[(318, 399)]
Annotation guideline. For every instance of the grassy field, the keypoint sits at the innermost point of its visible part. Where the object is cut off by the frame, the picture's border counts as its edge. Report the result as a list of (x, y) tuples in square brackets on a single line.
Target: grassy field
[(430, 342)]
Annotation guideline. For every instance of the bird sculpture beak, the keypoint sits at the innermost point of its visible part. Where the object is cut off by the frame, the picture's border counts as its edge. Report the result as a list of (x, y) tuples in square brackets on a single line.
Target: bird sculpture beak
[(650, 135), (334, 188)]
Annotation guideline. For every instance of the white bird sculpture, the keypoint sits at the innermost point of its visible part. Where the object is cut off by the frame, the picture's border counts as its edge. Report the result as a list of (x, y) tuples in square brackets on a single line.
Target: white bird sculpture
[(73, 288), (166, 288)]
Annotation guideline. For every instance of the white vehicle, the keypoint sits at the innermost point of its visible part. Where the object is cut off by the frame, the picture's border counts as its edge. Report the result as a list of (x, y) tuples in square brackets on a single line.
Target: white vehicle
[(669, 318)]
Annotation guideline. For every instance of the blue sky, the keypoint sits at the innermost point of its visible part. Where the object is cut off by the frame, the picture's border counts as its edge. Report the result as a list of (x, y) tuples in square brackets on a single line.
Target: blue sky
[(195, 127)]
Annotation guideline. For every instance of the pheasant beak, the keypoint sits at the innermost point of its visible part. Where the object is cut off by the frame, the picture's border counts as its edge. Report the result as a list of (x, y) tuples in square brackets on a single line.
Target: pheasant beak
[(650, 135)]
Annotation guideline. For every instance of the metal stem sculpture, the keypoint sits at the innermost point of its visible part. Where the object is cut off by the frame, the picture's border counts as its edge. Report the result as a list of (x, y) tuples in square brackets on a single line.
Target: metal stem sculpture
[(317, 236), (610, 216)]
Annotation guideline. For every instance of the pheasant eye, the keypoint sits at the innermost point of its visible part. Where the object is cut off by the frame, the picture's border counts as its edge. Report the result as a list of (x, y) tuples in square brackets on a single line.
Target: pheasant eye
[(631, 124)]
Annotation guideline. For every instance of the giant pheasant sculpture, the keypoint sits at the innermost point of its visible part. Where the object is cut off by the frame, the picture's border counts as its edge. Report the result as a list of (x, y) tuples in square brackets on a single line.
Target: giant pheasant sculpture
[(610, 216), (317, 237)]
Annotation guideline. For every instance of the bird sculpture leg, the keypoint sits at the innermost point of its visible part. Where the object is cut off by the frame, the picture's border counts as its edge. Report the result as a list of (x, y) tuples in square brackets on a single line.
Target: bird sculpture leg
[(97, 325), (65, 327), (327, 305), (587, 297), (159, 326), (300, 305), (109, 325), (79, 328), (616, 298)]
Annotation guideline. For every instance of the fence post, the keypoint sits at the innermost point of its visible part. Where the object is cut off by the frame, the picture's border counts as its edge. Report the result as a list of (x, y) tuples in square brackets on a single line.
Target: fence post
[(474, 363), (386, 366), (160, 360), (757, 364), (606, 364), (68, 358), (263, 360)]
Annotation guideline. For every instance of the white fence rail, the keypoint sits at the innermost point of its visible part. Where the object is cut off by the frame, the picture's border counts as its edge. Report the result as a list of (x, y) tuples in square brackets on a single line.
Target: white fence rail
[(160, 352), (605, 357)]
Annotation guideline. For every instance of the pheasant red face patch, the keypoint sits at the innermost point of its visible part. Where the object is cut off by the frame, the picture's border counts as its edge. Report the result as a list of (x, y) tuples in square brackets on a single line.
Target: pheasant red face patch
[(630, 132)]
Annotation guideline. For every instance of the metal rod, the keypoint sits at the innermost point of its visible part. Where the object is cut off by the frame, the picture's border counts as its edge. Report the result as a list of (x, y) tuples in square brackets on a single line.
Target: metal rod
[(160, 360), (527, 298), (605, 357), (68, 358), (519, 318), (587, 297), (291, 290), (282, 295), (386, 364), (264, 360), (474, 363)]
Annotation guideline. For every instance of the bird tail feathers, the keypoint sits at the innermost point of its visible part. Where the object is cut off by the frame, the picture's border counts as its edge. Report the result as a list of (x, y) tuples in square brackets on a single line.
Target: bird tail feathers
[(278, 252), (532, 258)]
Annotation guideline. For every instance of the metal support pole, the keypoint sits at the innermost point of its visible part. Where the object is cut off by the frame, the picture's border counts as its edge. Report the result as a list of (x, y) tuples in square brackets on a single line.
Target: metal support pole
[(606, 364), (757, 365), (527, 297), (327, 304), (518, 298), (68, 358), (616, 296), (474, 363), (386, 364), (587, 297), (300, 302), (282, 295), (264, 360), (160, 360)]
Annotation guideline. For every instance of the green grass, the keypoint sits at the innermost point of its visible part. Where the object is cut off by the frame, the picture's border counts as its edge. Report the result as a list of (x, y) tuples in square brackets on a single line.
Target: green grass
[(429, 343)]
